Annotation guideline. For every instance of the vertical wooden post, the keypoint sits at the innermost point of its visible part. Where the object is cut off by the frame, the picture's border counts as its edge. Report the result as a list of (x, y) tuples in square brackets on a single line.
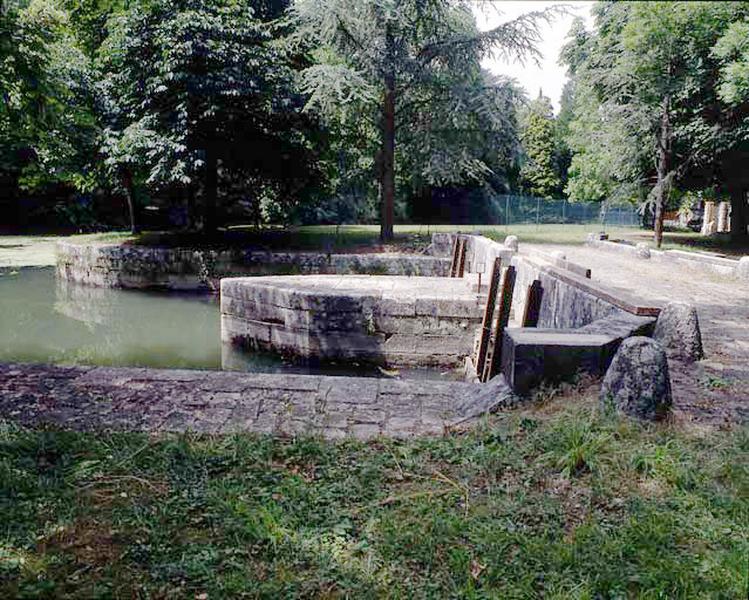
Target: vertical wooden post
[(462, 257), (505, 305), (486, 324), (454, 262), (532, 304)]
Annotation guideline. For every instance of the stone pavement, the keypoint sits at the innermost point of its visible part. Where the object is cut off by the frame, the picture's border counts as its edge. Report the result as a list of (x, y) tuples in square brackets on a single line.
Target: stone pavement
[(105, 398), (715, 389)]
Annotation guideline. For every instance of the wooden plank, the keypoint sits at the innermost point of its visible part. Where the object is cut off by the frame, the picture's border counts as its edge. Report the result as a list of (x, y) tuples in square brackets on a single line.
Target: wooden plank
[(462, 257), (486, 324), (454, 262), (532, 304), (619, 299), (505, 305)]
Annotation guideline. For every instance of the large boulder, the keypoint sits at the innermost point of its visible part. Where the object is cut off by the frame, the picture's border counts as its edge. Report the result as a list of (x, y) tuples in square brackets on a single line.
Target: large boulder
[(637, 381), (678, 331)]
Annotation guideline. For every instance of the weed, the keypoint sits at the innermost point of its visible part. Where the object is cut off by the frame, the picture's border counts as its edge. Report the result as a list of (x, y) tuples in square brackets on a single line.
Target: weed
[(557, 501)]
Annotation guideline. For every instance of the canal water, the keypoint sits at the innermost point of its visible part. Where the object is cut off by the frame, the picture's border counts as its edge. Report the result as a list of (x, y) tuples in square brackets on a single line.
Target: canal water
[(43, 320)]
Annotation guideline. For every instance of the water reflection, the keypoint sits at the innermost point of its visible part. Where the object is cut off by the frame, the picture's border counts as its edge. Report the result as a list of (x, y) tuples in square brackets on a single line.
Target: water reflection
[(46, 320), (42, 320)]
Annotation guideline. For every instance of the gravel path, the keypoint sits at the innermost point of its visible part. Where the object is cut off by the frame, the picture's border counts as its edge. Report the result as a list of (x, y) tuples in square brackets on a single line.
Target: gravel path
[(715, 389)]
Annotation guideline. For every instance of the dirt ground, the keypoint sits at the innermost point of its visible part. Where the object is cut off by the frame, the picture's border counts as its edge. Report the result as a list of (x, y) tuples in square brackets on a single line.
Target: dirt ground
[(715, 389)]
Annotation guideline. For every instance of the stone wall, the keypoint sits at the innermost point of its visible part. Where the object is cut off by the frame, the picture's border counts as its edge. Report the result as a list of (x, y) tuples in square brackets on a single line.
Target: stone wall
[(117, 265), (569, 300), (721, 265), (480, 250), (394, 321), (581, 323)]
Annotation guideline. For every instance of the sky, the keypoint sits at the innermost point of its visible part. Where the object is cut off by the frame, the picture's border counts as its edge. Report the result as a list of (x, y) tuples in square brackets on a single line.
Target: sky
[(548, 75)]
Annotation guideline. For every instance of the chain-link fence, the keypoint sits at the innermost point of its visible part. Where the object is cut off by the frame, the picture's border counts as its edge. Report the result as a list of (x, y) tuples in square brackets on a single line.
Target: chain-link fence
[(513, 209)]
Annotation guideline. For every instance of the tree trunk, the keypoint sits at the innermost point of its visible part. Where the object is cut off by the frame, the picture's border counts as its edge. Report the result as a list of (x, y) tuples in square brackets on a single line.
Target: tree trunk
[(739, 215), (211, 192), (127, 184), (663, 167), (387, 168)]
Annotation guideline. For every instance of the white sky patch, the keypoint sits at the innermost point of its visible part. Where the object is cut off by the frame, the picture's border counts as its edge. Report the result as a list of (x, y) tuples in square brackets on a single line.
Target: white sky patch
[(548, 75)]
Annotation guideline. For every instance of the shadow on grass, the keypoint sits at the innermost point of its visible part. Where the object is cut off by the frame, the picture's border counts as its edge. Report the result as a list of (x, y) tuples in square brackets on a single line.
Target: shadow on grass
[(555, 501)]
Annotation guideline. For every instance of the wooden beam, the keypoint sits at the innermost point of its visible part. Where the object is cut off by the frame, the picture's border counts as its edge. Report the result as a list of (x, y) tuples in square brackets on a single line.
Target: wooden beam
[(462, 257), (532, 304), (493, 363), (454, 262), (486, 324)]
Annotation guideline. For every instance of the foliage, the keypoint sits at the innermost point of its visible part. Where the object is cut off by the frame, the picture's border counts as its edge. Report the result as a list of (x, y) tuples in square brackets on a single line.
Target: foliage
[(648, 115), (47, 126), (505, 510), (412, 71), (189, 84), (89, 20), (540, 170), (732, 49)]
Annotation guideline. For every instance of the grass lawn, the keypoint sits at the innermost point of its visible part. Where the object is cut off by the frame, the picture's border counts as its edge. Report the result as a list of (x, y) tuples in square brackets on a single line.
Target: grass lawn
[(20, 251), (347, 237), (555, 501)]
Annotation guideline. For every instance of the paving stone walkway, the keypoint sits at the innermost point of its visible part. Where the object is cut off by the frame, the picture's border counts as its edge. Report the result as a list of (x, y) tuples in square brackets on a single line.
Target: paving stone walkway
[(104, 398), (715, 389)]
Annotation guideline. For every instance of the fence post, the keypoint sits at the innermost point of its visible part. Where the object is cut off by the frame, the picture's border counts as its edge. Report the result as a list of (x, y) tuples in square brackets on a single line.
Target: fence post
[(538, 213)]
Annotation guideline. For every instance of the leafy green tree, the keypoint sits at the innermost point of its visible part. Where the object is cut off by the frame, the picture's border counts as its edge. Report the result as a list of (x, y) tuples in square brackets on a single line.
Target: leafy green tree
[(732, 49), (539, 172), (89, 20), (412, 68), (200, 93), (647, 111), (47, 123)]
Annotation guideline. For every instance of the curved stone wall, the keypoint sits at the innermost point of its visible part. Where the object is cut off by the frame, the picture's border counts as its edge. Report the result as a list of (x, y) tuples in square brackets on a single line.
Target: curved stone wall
[(396, 321), (118, 265)]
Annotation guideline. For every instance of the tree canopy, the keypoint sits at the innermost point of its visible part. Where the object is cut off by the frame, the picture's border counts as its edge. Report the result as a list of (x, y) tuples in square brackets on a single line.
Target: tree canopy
[(653, 90), (540, 172), (412, 70), (271, 111), (192, 85)]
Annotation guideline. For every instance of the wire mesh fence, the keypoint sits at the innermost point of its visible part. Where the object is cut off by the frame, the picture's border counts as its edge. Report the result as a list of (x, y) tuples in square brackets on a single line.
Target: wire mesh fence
[(514, 209)]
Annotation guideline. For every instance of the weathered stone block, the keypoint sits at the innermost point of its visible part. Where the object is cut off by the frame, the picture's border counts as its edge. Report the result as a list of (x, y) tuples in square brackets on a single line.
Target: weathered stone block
[(637, 382), (530, 356), (678, 331)]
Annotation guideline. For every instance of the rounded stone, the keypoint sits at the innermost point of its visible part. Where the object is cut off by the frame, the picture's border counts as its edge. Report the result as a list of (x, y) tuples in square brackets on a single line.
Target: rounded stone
[(511, 242), (643, 250), (637, 383), (678, 331), (742, 269)]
